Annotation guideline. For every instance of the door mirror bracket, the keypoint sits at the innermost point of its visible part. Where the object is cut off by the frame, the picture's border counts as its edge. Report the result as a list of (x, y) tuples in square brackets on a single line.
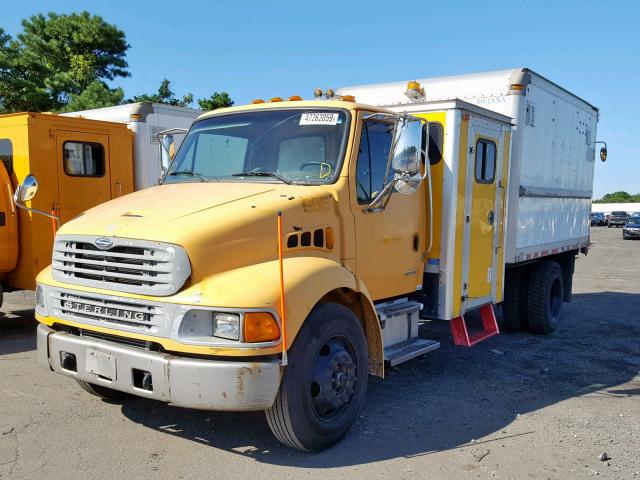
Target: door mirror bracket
[(27, 191)]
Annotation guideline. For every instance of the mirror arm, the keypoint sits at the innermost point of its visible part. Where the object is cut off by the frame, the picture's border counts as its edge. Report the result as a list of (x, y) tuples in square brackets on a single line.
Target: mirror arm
[(427, 175), (34, 210), (385, 192)]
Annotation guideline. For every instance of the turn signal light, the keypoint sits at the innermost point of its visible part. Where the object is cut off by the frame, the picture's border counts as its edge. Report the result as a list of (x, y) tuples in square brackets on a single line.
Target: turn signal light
[(260, 327)]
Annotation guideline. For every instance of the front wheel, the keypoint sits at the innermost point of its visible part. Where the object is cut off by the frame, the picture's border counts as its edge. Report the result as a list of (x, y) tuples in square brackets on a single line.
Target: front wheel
[(324, 385)]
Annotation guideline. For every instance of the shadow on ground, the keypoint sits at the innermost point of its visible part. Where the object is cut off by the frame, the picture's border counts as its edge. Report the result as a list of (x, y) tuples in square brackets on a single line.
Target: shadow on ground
[(450, 397), (17, 331)]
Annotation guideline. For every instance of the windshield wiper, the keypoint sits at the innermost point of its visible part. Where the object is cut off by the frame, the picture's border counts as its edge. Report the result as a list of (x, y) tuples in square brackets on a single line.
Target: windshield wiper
[(263, 174), (190, 173)]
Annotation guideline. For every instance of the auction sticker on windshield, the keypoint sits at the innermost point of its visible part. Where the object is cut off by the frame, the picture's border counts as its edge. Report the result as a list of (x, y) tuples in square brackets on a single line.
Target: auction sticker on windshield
[(319, 118)]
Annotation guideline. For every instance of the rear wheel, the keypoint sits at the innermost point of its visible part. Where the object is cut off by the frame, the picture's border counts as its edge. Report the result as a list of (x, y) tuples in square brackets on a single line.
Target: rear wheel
[(105, 393), (324, 385), (544, 299), (514, 311)]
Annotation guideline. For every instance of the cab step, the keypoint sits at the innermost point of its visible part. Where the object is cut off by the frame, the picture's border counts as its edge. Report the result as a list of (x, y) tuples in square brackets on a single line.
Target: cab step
[(461, 335), (405, 351)]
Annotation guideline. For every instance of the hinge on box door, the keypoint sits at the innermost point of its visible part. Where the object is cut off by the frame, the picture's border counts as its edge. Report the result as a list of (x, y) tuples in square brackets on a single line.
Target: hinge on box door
[(467, 218), (471, 149)]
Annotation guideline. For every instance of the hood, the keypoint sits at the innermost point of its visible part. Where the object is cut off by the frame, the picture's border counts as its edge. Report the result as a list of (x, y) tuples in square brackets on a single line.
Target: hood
[(221, 225)]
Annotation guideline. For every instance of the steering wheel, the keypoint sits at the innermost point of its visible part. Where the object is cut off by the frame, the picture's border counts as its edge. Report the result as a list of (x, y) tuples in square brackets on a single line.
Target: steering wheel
[(322, 165)]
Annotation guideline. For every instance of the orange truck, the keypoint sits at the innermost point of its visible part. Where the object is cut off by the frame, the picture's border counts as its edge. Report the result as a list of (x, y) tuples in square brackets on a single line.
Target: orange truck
[(79, 162)]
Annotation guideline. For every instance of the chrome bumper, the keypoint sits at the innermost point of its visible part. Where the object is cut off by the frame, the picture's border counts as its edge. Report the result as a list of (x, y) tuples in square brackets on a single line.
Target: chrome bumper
[(181, 381)]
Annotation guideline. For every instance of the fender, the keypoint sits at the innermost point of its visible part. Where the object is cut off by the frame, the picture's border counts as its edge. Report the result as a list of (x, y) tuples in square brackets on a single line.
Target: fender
[(307, 281)]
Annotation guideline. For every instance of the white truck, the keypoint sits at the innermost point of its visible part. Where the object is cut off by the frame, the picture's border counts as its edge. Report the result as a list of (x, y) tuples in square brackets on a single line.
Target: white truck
[(546, 200), (146, 120)]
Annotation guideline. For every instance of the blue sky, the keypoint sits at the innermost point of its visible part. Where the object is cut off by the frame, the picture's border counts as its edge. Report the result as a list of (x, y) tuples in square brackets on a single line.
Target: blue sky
[(262, 49)]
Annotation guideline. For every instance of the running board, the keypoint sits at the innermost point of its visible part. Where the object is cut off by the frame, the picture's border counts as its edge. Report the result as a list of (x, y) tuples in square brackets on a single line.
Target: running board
[(461, 335), (405, 351)]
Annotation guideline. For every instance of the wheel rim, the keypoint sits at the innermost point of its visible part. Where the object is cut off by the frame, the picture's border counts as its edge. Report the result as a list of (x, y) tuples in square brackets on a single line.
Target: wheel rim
[(555, 300), (333, 378)]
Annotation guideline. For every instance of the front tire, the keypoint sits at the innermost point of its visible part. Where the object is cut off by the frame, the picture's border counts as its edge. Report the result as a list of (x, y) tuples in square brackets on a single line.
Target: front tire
[(544, 299), (324, 385)]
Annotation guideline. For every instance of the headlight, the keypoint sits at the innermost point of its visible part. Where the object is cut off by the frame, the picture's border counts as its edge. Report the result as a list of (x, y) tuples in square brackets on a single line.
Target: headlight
[(41, 304), (226, 325), (199, 325)]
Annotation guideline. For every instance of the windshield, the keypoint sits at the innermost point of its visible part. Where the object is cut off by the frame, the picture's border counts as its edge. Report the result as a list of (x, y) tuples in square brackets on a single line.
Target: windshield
[(289, 145), (619, 214)]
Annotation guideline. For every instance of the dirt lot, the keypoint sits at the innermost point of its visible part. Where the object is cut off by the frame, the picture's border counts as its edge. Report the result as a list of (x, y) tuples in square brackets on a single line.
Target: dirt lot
[(514, 407)]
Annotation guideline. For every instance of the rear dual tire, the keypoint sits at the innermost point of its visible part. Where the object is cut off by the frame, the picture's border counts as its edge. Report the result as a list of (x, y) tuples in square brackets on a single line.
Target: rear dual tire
[(533, 298), (324, 384)]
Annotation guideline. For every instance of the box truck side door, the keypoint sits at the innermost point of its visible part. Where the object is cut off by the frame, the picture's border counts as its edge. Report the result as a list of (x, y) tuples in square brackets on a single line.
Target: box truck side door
[(83, 172), (481, 210)]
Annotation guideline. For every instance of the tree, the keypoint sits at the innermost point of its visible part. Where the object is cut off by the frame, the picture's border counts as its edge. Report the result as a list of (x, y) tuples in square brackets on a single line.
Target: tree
[(96, 95), (164, 95), (217, 100), (619, 197), (58, 57)]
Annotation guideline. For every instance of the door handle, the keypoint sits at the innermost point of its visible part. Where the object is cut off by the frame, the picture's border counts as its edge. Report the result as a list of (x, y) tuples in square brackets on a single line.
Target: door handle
[(491, 217)]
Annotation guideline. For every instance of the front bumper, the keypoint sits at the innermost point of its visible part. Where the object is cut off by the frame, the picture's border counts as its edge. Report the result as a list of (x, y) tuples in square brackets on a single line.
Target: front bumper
[(181, 381), (631, 233)]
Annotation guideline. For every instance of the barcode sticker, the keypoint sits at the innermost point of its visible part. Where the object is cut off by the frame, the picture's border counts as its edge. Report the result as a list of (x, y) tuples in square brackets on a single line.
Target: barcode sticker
[(319, 118)]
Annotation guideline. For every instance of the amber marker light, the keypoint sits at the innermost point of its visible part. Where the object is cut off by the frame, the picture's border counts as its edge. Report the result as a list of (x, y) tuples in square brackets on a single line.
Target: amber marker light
[(257, 100), (517, 86), (348, 98), (329, 239), (260, 327), (276, 99), (294, 98)]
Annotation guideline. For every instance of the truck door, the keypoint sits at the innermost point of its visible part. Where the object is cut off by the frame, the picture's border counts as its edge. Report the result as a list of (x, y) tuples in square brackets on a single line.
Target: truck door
[(8, 214), (83, 172), (481, 227), (388, 242)]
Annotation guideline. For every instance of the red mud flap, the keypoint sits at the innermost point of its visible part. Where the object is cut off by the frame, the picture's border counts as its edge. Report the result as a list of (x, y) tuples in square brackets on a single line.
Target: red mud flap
[(461, 336)]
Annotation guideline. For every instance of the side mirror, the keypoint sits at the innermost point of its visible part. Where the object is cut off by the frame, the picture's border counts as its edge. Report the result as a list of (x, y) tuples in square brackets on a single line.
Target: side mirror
[(27, 190), (603, 154), (407, 145)]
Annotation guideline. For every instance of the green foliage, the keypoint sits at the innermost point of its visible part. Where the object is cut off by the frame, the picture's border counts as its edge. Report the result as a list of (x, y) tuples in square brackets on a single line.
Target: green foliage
[(164, 95), (57, 58), (619, 197), (217, 100), (96, 95)]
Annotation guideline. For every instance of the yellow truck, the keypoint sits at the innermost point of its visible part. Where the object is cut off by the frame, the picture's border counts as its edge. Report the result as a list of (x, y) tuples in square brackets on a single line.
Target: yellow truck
[(82, 159), (294, 247)]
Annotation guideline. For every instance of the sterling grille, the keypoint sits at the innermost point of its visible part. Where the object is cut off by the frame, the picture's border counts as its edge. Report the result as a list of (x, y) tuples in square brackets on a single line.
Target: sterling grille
[(107, 312), (134, 266)]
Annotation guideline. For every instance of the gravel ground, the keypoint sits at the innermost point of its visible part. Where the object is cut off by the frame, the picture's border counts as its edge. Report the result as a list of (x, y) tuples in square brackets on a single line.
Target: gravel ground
[(514, 407)]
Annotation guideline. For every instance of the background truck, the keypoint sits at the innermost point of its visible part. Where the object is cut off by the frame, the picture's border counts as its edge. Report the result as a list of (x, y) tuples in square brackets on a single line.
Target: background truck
[(294, 245), (81, 159)]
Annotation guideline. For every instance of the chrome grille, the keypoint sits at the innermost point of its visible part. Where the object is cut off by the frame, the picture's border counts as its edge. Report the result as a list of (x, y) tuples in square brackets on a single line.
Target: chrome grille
[(134, 266), (108, 312)]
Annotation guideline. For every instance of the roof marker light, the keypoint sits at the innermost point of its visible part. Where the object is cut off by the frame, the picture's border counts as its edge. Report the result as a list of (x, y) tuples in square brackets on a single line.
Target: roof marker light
[(294, 98), (257, 100), (276, 99)]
